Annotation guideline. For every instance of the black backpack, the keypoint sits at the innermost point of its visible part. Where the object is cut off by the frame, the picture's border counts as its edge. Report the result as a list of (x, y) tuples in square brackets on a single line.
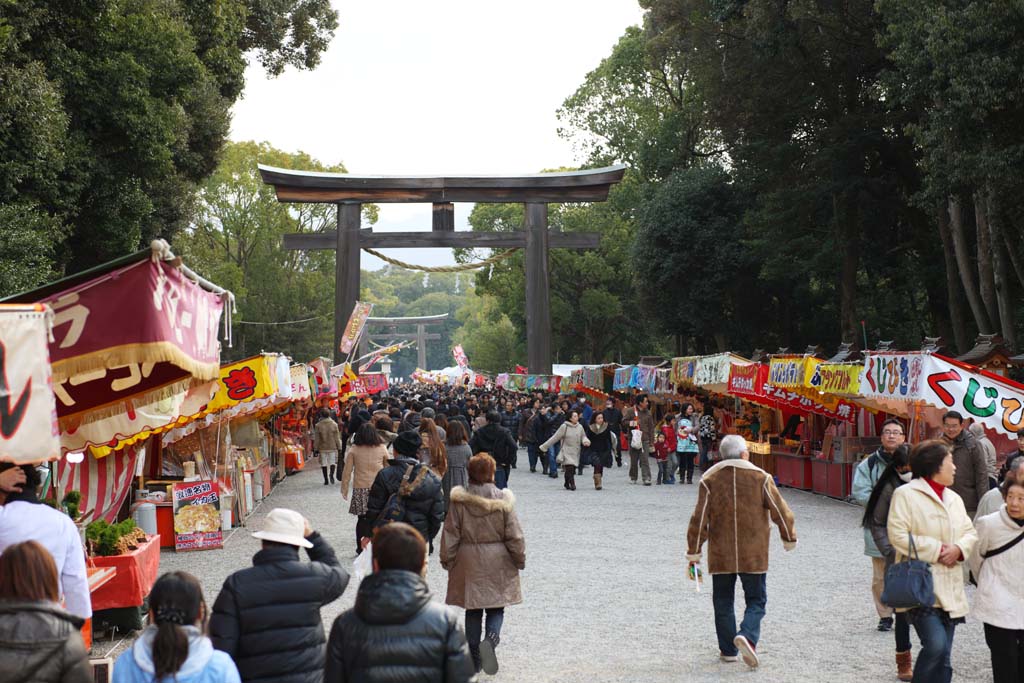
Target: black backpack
[(394, 508)]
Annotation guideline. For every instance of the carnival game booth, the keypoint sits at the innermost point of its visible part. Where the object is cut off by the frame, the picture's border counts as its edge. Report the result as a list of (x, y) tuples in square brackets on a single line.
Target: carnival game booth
[(133, 351)]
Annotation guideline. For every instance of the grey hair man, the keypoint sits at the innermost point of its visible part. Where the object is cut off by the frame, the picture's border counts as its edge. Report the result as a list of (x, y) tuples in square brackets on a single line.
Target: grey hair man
[(734, 503)]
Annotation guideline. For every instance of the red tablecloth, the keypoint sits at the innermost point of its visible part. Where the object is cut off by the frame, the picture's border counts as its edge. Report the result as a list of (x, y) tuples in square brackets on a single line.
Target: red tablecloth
[(136, 574)]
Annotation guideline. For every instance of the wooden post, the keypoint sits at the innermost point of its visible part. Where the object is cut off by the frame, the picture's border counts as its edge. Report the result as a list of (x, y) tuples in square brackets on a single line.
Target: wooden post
[(421, 346), (444, 218), (346, 271), (538, 296)]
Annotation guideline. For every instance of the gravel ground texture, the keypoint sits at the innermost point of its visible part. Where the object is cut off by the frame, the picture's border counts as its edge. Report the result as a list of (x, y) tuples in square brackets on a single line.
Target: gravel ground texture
[(606, 597)]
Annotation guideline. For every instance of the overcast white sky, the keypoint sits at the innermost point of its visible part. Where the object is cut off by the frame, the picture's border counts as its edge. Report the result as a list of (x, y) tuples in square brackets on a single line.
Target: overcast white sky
[(451, 86)]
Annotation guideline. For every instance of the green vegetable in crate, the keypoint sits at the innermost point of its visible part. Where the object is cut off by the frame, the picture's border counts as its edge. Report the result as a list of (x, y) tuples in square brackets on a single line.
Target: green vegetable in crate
[(113, 539)]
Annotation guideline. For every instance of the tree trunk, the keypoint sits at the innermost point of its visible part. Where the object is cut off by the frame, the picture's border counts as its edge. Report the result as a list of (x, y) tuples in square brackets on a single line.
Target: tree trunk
[(956, 311), (848, 233), (964, 265), (1001, 273), (1011, 248), (986, 272)]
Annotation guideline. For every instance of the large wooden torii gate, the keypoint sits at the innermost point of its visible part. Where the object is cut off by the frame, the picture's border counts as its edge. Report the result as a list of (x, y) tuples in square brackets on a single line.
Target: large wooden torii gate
[(536, 191), (392, 335)]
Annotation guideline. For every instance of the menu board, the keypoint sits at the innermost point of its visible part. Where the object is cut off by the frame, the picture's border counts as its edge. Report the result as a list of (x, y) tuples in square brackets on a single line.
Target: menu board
[(197, 516)]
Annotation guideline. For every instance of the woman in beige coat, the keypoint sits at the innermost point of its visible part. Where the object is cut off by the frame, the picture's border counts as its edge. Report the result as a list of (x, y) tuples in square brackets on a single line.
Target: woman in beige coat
[(573, 438), (367, 456), (930, 513), (483, 550)]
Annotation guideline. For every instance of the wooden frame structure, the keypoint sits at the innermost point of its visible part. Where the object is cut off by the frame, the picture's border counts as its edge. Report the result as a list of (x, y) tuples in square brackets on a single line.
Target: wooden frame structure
[(349, 192), (393, 334)]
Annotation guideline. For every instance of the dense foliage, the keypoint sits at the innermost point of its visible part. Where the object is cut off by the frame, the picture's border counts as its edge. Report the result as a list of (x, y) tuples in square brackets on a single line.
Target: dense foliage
[(112, 112)]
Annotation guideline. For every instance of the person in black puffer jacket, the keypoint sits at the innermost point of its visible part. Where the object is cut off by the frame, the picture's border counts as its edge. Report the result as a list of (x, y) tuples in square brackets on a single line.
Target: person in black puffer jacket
[(396, 633), (267, 617), (496, 441), (424, 505)]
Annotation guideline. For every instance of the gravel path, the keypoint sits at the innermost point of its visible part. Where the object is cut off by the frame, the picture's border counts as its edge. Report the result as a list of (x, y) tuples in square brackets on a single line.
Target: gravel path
[(606, 597)]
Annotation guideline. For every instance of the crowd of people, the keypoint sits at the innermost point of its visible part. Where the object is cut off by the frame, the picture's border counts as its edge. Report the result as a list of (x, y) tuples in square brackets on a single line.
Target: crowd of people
[(419, 468), (943, 502)]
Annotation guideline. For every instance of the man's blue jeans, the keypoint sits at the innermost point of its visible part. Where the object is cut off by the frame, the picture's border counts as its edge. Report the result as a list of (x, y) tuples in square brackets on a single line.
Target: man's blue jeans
[(553, 460), (936, 633), (755, 594)]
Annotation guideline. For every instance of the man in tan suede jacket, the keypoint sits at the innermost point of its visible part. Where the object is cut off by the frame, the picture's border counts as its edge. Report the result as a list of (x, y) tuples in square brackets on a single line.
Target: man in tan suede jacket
[(735, 501)]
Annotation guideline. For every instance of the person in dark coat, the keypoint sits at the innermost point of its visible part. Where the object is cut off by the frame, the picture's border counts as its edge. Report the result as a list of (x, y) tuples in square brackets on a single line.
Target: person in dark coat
[(395, 633), (39, 641), (497, 441), (600, 434), (613, 418), (423, 504), (267, 617)]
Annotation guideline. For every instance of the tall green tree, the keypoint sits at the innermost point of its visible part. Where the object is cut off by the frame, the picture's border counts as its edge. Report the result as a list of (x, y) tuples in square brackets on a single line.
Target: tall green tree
[(122, 107)]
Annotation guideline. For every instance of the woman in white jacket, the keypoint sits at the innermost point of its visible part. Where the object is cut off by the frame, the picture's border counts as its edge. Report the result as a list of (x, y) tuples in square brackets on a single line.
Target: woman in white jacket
[(997, 563), (934, 515), (573, 438)]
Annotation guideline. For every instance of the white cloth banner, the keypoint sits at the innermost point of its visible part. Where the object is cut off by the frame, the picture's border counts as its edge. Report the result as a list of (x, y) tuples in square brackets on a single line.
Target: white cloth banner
[(946, 384), (28, 410)]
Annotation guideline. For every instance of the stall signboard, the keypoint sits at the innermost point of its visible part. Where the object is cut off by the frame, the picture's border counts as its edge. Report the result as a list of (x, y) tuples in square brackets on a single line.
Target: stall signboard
[(946, 384), (326, 382), (644, 378), (247, 380), (501, 381), (753, 383), (748, 380), (791, 372), (197, 521), (712, 370), (684, 369), (838, 379), (368, 384), (355, 325), (622, 377), (28, 410), (300, 382), (896, 376)]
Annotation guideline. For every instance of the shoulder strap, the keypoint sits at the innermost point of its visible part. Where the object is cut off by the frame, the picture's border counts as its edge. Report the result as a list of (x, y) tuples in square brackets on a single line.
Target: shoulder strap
[(1003, 548)]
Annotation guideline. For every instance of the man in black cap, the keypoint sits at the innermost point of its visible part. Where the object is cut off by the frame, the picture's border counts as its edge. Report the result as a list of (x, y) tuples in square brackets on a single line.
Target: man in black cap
[(407, 491)]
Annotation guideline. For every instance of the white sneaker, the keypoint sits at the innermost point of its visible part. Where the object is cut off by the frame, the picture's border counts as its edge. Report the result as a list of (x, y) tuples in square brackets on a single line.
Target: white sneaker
[(747, 651), (728, 658)]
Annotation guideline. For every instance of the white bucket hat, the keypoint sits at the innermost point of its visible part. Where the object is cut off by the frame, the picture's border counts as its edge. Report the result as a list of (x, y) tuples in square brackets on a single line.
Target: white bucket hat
[(284, 526)]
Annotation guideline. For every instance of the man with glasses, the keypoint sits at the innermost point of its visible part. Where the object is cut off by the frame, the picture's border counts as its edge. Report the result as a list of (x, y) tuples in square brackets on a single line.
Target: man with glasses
[(971, 481), (864, 479)]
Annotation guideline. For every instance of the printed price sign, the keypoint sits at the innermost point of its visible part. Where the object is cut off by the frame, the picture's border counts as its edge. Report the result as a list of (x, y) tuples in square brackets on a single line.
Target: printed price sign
[(197, 516)]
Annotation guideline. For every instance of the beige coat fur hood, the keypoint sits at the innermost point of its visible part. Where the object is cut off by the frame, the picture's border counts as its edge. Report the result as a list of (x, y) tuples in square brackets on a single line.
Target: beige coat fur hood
[(483, 548)]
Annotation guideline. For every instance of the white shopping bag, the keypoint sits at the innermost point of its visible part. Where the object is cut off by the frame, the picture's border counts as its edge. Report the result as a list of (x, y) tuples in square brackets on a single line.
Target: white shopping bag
[(363, 565)]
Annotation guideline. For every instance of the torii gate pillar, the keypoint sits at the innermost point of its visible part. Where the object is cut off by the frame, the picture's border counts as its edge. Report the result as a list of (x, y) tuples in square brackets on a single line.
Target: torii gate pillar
[(538, 293)]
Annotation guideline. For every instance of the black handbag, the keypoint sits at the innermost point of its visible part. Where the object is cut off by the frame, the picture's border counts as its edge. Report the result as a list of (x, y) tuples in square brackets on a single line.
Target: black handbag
[(909, 584)]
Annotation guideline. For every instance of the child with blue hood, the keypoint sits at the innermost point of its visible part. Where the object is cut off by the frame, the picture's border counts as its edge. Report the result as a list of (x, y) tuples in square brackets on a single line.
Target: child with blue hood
[(175, 647)]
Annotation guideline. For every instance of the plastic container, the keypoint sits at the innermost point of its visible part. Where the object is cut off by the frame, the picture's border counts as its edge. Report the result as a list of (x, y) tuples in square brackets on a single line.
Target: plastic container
[(145, 517)]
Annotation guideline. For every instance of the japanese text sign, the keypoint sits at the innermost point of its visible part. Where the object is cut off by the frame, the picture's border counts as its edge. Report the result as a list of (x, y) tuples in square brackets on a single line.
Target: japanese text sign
[(993, 401), (460, 356), (197, 521), (28, 412), (355, 325), (247, 380), (840, 379)]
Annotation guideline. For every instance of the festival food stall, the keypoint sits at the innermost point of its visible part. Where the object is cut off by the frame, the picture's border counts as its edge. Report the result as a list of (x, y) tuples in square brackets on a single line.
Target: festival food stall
[(791, 459), (134, 352)]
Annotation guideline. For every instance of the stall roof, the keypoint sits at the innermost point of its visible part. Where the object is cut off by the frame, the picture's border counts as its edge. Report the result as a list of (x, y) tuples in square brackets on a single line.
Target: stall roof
[(986, 347)]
